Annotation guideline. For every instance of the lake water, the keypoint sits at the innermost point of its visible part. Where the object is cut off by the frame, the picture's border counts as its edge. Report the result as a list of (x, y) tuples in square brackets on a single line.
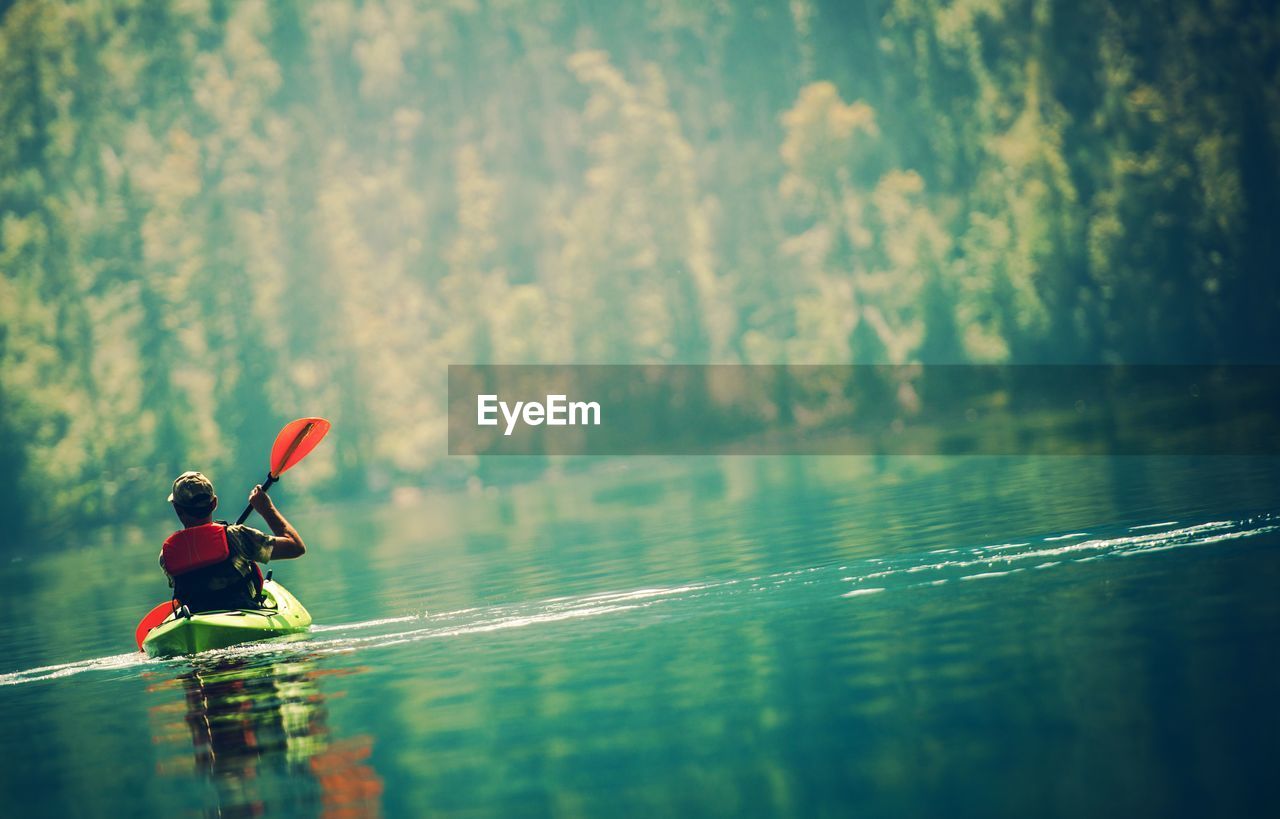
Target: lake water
[(739, 636)]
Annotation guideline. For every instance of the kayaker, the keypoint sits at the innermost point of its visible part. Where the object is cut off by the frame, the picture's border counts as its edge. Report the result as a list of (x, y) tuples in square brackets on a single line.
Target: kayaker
[(213, 565)]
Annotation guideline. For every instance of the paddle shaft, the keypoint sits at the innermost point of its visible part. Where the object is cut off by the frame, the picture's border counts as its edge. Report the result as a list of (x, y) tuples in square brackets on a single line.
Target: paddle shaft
[(265, 486)]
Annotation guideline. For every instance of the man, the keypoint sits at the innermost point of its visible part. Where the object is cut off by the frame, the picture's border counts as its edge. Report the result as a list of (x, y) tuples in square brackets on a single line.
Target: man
[(212, 565)]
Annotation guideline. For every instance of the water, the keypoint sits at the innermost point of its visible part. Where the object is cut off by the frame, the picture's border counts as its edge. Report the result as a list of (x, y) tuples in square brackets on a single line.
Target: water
[(776, 636)]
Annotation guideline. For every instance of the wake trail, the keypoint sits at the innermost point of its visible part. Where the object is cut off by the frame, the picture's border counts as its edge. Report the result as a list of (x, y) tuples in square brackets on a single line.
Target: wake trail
[(1001, 560), (115, 662), (871, 577)]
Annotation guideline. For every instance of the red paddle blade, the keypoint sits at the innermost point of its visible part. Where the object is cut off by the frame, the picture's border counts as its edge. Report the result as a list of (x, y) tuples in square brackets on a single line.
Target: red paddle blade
[(294, 442), (154, 618)]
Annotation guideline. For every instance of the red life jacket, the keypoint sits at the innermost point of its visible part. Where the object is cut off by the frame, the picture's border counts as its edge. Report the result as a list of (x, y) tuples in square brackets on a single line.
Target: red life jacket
[(205, 577), (195, 548)]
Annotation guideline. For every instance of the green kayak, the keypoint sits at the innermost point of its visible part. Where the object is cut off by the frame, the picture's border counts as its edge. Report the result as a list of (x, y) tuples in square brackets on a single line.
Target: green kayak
[(283, 614)]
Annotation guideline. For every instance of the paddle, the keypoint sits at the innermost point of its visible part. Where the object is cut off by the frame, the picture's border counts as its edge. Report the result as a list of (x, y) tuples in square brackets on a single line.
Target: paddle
[(294, 443), (154, 618)]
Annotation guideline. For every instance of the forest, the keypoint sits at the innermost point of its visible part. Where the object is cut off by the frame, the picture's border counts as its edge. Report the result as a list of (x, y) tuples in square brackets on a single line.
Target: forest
[(216, 216)]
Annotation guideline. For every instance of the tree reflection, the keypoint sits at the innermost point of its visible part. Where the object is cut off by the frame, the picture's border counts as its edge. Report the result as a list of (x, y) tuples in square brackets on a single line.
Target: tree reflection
[(261, 739)]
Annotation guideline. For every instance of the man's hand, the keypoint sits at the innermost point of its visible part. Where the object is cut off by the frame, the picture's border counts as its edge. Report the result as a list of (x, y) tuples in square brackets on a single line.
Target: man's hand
[(261, 501)]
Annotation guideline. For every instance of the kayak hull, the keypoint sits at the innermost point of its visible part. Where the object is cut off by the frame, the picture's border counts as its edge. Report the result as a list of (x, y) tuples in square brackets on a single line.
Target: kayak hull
[(177, 636)]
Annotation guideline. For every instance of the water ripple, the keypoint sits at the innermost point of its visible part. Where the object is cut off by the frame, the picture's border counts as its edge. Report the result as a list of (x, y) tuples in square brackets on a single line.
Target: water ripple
[(974, 563)]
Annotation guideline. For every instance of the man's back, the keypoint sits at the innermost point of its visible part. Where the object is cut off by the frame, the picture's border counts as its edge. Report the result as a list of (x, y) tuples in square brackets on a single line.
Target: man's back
[(214, 565), (230, 580)]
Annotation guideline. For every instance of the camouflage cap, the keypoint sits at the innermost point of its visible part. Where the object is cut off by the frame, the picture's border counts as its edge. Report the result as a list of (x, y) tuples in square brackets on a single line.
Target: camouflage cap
[(192, 490)]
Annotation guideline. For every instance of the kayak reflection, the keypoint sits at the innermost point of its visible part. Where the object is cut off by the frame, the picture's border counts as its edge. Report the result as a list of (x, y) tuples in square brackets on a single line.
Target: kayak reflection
[(261, 739)]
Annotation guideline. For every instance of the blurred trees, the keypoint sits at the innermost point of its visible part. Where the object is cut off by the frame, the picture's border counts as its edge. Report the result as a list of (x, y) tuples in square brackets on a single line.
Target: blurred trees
[(214, 216)]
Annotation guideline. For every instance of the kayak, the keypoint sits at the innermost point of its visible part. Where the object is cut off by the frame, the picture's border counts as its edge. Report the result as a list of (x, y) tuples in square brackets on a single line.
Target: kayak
[(281, 614)]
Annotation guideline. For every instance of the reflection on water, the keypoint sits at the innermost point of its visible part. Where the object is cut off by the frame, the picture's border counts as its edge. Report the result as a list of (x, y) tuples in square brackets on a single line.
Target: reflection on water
[(259, 734)]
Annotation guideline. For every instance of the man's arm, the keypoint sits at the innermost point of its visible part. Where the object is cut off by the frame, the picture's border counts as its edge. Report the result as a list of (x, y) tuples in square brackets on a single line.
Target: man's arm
[(287, 543)]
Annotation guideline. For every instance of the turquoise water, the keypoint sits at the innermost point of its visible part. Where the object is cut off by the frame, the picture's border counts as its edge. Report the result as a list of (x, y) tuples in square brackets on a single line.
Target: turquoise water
[(774, 636)]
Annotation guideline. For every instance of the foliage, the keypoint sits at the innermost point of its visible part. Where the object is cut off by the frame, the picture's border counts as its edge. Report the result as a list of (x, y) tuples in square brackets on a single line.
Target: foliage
[(214, 216)]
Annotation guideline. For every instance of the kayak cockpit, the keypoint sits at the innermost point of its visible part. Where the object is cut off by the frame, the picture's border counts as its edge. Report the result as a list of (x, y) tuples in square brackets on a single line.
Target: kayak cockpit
[(191, 633)]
